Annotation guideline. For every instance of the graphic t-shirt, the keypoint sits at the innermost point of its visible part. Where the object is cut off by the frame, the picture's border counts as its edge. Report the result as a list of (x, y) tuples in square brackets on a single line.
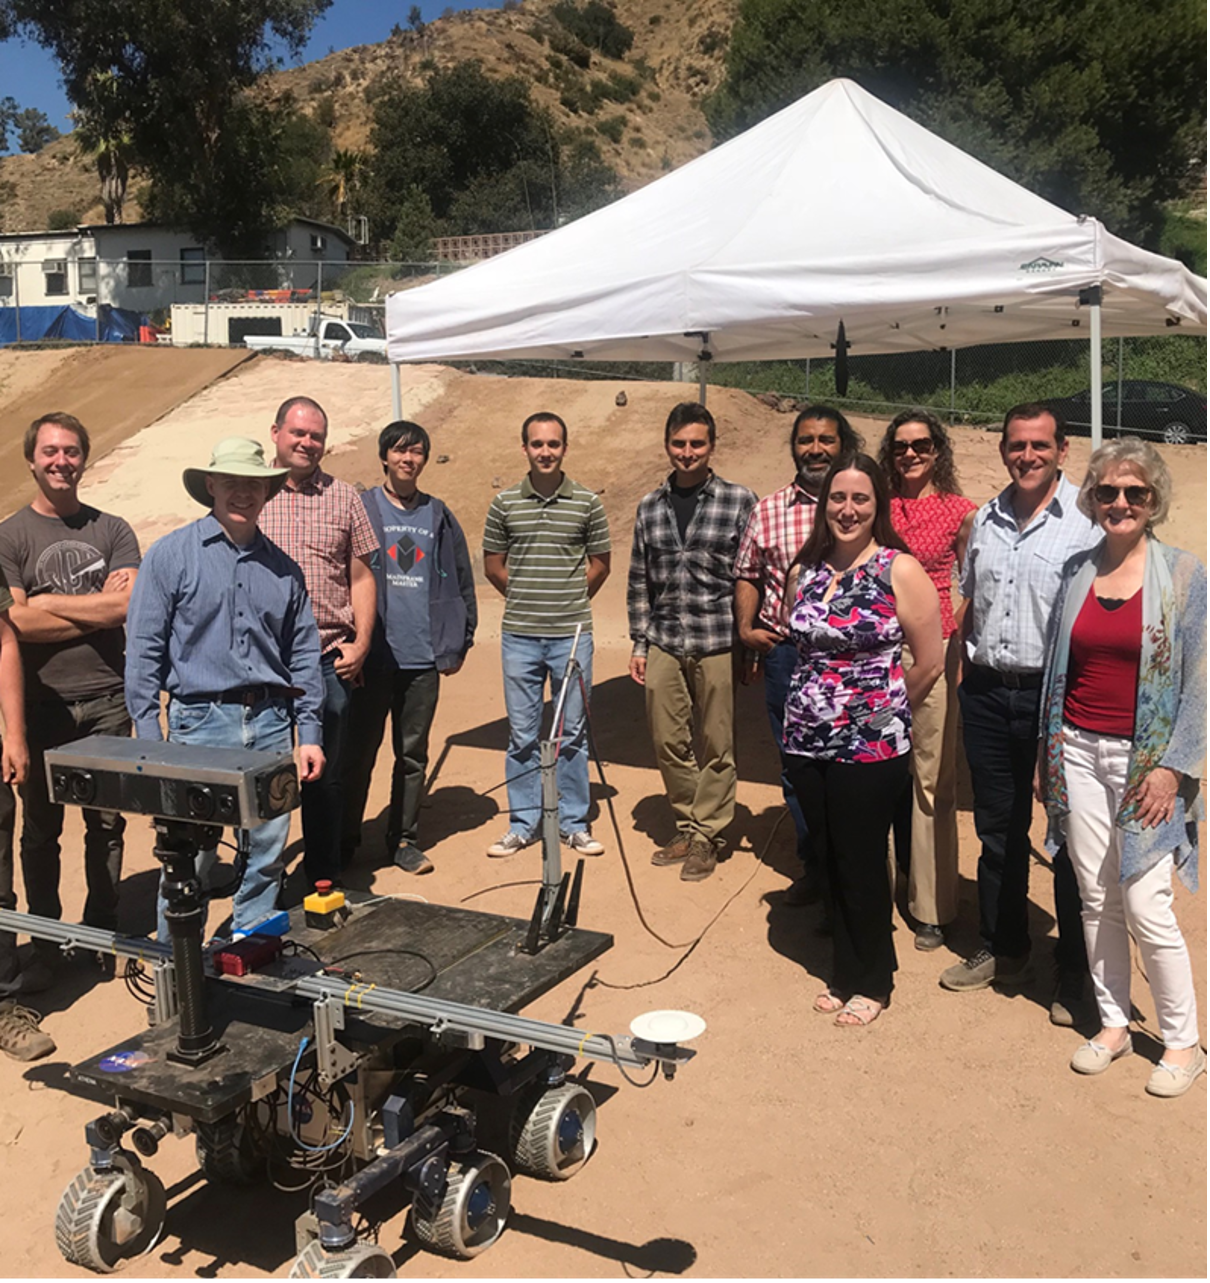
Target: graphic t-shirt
[(406, 557), (72, 556)]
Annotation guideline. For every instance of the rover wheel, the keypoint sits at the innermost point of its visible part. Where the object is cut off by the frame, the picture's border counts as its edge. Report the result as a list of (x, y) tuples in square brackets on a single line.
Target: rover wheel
[(361, 1261), (105, 1218), (468, 1215), (554, 1132)]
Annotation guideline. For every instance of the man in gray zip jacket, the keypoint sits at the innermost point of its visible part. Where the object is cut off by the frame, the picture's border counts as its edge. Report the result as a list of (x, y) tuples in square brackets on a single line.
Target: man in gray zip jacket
[(426, 623)]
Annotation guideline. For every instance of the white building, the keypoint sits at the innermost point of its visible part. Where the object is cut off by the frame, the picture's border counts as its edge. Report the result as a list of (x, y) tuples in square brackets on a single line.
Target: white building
[(145, 267)]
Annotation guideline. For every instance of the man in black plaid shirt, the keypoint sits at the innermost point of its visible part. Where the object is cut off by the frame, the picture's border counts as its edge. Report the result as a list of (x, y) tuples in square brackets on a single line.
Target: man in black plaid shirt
[(679, 595)]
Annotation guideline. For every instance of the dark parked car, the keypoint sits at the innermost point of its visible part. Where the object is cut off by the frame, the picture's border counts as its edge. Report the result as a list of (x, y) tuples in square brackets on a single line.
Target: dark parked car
[(1165, 410)]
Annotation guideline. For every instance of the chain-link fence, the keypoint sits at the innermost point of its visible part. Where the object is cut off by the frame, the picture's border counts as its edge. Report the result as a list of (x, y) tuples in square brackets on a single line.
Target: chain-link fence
[(1156, 384), (189, 299)]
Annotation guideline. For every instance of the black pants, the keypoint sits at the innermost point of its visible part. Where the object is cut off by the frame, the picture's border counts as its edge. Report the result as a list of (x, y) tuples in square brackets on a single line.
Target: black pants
[(322, 799), (10, 965), (50, 725), (1000, 728), (410, 696), (852, 803)]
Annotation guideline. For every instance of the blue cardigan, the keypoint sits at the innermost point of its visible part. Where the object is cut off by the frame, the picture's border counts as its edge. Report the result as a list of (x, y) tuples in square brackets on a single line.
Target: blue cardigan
[(1170, 709)]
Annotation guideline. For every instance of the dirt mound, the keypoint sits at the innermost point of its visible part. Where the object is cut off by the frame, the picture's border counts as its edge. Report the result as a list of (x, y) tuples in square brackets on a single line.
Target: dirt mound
[(114, 391)]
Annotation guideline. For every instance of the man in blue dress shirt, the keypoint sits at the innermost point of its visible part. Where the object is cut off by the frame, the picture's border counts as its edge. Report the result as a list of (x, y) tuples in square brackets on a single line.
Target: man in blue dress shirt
[(220, 619)]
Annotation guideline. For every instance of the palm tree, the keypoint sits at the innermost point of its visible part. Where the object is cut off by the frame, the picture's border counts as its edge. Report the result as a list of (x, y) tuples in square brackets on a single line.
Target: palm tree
[(103, 133), (343, 178)]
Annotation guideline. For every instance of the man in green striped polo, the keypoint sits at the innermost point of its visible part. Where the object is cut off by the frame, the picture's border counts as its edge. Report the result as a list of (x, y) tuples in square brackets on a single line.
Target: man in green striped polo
[(546, 549)]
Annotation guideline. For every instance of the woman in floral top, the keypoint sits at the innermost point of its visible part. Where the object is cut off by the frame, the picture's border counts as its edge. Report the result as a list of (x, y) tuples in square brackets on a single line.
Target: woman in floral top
[(858, 595), (933, 518)]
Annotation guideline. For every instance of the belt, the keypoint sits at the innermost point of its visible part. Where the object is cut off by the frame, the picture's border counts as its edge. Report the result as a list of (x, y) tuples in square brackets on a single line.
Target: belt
[(1014, 681), (245, 695)]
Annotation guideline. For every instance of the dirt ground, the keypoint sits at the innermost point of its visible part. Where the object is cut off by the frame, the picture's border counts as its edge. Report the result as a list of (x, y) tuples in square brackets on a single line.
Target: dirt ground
[(948, 1140)]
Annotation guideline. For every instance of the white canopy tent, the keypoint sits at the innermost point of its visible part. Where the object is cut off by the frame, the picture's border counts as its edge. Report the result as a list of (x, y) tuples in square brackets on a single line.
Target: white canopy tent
[(836, 209)]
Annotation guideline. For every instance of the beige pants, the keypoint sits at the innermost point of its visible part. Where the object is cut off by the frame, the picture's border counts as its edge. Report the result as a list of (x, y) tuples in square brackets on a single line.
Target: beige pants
[(681, 691), (933, 882)]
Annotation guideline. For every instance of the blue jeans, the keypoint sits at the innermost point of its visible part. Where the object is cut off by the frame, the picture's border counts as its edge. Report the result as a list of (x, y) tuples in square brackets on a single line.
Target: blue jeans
[(527, 662), (267, 726), (779, 667)]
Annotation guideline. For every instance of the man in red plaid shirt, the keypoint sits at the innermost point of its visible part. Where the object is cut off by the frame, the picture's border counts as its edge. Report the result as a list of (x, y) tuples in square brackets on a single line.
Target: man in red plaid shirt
[(321, 523), (777, 529)]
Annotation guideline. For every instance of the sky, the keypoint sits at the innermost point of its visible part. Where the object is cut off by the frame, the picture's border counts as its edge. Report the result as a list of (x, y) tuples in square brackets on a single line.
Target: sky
[(31, 76)]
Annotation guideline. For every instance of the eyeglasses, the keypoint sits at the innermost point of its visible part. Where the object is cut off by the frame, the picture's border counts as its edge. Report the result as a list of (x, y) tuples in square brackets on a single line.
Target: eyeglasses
[(923, 446), (1136, 496)]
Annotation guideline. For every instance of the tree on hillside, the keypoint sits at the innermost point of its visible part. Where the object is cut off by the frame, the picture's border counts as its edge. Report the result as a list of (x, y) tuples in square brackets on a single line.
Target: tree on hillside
[(222, 162), (484, 157), (34, 130), (8, 113), (1090, 103)]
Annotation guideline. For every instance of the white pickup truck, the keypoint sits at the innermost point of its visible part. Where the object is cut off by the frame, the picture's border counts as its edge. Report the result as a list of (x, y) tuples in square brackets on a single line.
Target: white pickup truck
[(336, 338)]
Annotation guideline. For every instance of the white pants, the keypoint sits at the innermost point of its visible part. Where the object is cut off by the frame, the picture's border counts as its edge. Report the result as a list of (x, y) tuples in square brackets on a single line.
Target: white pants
[(1095, 767)]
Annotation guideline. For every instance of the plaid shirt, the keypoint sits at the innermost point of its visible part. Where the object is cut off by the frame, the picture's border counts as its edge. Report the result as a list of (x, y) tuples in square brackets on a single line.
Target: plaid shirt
[(679, 595), (322, 525), (777, 529)]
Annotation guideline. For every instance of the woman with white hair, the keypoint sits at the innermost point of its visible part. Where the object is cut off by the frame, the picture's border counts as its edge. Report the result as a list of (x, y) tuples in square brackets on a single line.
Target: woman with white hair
[(1122, 752)]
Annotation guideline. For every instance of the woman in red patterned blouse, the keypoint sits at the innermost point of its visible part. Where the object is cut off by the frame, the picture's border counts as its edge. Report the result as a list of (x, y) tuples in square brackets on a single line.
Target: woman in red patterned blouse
[(932, 516)]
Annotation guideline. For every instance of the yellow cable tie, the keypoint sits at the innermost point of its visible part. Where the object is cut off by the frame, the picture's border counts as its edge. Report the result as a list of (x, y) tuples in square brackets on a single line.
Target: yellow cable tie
[(361, 997), (350, 991), (580, 1048)]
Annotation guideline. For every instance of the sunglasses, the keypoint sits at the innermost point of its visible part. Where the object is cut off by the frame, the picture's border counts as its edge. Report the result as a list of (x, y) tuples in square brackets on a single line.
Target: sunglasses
[(1136, 496), (923, 446)]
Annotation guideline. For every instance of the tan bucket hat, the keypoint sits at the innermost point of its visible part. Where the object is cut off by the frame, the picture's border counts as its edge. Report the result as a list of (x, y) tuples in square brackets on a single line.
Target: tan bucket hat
[(233, 457)]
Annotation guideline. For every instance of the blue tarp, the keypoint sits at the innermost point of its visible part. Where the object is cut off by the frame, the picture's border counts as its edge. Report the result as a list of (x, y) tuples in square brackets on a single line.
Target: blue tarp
[(117, 324)]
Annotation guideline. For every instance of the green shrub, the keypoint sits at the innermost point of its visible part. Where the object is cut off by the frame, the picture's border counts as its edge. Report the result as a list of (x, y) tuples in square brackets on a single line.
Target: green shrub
[(62, 220), (594, 25), (612, 127)]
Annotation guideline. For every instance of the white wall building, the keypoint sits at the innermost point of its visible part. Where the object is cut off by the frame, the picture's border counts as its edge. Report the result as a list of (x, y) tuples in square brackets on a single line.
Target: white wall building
[(146, 267)]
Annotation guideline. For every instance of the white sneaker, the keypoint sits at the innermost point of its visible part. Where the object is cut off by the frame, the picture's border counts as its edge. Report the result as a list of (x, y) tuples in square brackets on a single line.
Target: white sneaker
[(583, 843), (509, 844)]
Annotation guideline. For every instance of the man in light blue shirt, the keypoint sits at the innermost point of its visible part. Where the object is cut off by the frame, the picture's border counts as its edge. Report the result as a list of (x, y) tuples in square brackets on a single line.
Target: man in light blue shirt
[(1014, 563), (220, 619)]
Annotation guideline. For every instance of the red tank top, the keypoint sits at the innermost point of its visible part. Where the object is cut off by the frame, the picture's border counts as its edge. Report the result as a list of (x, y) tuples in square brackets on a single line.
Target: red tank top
[(1103, 668)]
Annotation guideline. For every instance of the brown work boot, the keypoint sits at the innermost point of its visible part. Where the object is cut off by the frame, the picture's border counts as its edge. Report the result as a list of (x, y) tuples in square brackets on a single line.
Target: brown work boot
[(676, 850), (20, 1036), (702, 861)]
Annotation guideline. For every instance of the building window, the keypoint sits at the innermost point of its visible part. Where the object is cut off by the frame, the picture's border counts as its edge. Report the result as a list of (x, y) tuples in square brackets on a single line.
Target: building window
[(138, 269), (193, 267), (319, 244), (54, 273), (6, 281), (88, 275)]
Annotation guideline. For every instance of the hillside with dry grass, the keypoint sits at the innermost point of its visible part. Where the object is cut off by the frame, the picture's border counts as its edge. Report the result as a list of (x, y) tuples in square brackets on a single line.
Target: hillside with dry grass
[(644, 114)]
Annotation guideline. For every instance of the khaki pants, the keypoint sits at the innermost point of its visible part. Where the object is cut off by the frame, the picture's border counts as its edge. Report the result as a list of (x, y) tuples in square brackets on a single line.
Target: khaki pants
[(680, 691), (933, 881)]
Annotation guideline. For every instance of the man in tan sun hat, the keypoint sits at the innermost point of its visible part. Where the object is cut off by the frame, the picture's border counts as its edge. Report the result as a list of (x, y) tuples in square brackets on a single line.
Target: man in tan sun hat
[(220, 619)]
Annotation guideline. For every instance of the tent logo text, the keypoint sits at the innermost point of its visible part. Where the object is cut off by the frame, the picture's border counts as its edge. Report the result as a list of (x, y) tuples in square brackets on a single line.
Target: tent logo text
[(1040, 265)]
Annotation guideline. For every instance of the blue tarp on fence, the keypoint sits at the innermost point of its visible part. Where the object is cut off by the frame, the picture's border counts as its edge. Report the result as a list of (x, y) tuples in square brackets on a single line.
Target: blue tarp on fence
[(117, 324)]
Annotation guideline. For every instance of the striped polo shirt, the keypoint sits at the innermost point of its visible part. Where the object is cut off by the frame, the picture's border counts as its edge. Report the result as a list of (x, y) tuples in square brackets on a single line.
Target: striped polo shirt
[(547, 543)]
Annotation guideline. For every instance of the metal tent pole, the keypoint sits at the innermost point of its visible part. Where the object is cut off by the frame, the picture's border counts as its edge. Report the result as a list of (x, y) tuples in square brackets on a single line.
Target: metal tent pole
[(396, 392), (1092, 298)]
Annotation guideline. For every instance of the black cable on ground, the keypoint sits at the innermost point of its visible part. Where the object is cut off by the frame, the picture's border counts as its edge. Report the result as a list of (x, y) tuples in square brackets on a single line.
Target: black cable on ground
[(688, 945)]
